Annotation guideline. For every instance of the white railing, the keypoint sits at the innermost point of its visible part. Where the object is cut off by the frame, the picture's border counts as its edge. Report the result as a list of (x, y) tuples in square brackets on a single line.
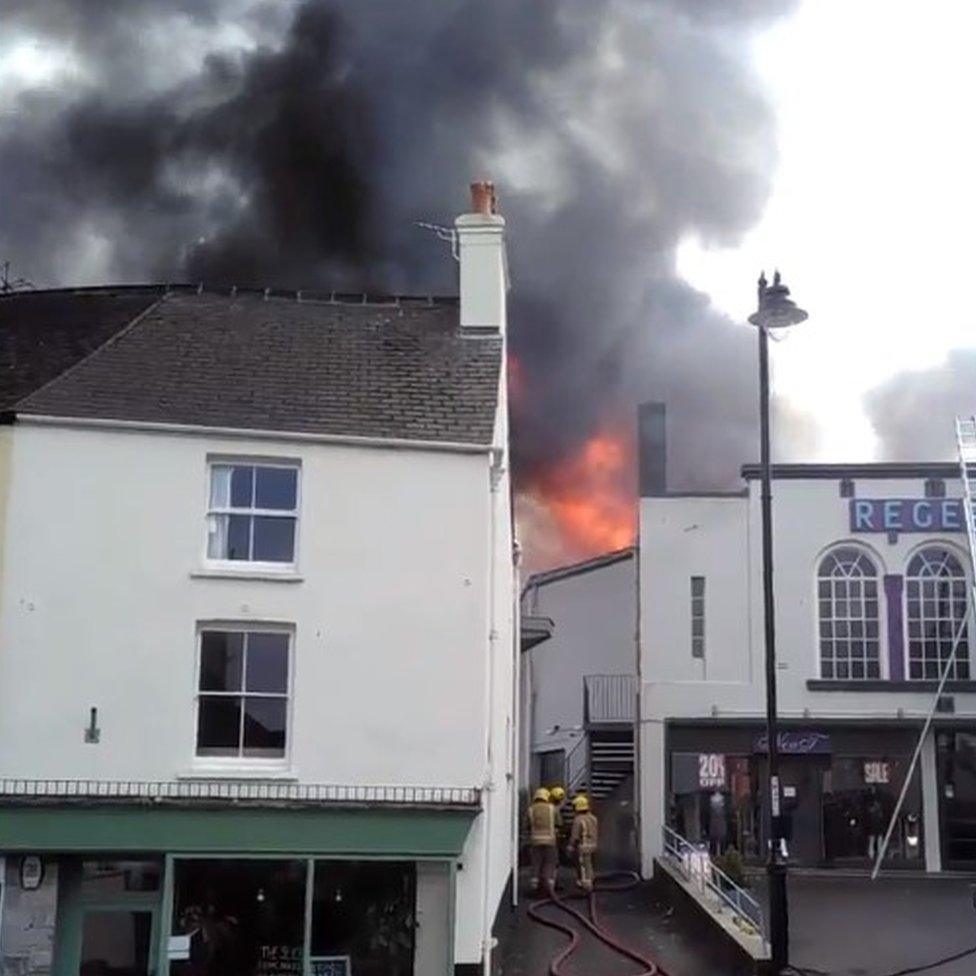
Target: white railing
[(82, 789), (609, 697), (576, 766), (697, 868)]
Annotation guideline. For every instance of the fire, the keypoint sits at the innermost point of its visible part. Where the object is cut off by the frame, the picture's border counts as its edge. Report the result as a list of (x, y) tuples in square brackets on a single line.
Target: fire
[(588, 498)]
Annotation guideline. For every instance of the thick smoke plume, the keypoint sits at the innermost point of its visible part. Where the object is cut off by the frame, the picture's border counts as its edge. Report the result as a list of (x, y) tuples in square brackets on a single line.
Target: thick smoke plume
[(912, 413), (297, 144)]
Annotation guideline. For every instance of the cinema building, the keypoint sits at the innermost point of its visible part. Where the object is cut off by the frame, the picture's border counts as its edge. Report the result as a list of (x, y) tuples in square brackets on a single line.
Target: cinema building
[(871, 582)]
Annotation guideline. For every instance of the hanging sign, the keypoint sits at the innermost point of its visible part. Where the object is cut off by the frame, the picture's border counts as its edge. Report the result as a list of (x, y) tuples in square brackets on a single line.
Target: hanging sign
[(711, 770), (907, 515), (31, 872)]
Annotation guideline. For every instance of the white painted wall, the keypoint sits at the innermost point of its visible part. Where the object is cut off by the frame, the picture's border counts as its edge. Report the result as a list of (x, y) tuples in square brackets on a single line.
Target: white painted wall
[(720, 538), (99, 607), (594, 614)]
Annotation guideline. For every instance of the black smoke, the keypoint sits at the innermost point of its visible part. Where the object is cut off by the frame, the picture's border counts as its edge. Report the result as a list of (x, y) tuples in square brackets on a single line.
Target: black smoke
[(298, 144)]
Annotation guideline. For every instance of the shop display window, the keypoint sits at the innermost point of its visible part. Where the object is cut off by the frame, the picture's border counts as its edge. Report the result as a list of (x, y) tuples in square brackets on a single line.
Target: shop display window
[(859, 796), (363, 918), (238, 917)]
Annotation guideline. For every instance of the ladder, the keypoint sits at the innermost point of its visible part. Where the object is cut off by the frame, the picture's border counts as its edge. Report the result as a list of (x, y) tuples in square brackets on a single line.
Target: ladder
[(966, 444), (966, 447)]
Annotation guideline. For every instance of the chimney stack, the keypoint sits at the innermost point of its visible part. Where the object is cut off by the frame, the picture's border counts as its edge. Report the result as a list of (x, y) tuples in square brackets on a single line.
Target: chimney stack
[(484, 268), (652, 449)]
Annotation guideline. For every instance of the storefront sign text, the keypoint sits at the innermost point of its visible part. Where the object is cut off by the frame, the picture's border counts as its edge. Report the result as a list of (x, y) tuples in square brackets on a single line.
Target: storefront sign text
[(795, 743), (711, 770), (907, 515), (877, 772)]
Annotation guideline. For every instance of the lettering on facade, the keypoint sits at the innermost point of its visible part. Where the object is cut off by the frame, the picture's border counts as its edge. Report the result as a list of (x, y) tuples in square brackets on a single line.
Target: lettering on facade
[(907, 515), (795, 743)]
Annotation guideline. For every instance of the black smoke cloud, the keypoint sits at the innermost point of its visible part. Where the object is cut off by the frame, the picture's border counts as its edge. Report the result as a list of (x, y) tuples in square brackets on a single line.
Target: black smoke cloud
[(913, 412), (297, 144)]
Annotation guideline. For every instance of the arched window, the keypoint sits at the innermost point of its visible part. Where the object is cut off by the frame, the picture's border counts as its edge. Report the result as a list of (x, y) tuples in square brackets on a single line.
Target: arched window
[(847, 593), (935, 595)]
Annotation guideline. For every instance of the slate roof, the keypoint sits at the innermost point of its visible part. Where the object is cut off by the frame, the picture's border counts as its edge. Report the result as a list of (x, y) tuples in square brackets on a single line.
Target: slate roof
[(386, 370), (43, 333)]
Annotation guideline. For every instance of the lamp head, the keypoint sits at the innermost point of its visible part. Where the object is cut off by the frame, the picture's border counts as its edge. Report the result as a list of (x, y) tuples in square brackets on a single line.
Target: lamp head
[(776, 309)]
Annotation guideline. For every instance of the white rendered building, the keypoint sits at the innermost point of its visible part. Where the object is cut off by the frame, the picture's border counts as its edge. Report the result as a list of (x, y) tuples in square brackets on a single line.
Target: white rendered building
[(257, 632), (871, 577)]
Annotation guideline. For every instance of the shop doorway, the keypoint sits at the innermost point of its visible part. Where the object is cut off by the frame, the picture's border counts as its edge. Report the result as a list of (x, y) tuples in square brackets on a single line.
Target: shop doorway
[(117, 941), (109, 917), (957, 796), (801, 781)]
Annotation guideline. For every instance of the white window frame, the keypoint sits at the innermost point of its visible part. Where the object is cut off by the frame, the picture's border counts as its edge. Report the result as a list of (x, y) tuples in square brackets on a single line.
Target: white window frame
[(848, 620), (920, 551), (240, 761), (252, 566)]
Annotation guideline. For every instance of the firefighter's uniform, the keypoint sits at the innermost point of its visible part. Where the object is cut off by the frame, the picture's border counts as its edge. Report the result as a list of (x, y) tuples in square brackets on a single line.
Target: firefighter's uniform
[(583, 839), (542, 840)]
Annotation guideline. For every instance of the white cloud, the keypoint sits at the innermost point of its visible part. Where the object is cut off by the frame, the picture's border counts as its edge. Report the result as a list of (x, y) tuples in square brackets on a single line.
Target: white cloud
[(872, 206)]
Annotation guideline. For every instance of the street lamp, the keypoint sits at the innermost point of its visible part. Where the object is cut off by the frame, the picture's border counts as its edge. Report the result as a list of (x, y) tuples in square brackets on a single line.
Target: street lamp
[(775, 312)]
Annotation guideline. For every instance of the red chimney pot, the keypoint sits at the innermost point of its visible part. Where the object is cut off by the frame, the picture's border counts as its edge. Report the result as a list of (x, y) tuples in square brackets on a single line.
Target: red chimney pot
[(483, 199)]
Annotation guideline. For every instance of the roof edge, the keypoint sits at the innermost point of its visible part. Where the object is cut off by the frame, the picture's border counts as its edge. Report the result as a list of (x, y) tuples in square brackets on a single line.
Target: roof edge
[(577, 569), (200, 430), (875, 469)]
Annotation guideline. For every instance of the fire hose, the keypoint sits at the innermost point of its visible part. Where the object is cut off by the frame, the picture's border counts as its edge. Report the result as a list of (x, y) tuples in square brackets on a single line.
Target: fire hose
[(592, 924)]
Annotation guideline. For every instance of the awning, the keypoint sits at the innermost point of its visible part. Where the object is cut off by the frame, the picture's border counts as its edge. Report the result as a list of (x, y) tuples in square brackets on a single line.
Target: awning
[(126, 828)]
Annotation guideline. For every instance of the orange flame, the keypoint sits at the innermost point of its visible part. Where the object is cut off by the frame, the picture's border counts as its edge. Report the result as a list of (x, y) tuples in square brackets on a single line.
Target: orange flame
[(590, 498)]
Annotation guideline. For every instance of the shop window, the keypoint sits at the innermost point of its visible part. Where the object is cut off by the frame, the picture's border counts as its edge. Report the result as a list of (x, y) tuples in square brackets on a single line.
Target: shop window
[(253, 513), (848, 615), (239, 917), (243, 693), (935, 600), (363, 919)]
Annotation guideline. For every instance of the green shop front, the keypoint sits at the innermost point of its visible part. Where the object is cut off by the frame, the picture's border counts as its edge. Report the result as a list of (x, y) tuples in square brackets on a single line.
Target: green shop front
[(133, 889)]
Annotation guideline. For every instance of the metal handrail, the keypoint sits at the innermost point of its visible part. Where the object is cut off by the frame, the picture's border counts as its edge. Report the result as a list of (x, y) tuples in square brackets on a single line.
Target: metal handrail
[(696, 866), (575, 765)]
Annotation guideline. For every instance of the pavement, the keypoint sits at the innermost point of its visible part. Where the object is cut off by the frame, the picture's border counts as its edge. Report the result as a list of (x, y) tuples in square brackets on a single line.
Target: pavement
[(642, 917), (841, 926), (858, 927)]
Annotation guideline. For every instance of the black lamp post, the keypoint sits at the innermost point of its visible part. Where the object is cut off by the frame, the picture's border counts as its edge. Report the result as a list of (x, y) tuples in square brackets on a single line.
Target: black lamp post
[(776, 311)]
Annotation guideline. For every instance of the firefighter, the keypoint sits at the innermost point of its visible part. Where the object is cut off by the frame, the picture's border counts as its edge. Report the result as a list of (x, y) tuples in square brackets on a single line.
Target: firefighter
[(583, 839), (557, 796), (542, 840)]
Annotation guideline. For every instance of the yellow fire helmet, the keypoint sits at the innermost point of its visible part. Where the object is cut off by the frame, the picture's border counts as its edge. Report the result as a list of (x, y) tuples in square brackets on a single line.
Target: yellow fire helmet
[(581, 804), (542, 794), (557, 794)]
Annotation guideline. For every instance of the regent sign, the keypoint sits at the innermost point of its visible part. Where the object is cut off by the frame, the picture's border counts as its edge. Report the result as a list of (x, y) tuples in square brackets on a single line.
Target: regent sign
[(907, 515)]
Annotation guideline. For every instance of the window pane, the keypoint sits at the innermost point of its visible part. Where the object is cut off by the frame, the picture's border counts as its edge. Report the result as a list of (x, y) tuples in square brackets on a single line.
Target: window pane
[(264, 727), (221, 657), (219, 726), (276, 488), (274, 539), (220, 485), (267, 663), (238, 537), (242, 486)]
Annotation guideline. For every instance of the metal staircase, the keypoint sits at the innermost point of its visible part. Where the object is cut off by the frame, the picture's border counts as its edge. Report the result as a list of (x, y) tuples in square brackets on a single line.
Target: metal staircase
[(611, 761)]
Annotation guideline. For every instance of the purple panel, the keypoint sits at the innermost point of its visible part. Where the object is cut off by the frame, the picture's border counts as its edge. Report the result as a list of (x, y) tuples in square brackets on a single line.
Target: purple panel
[(896, 630)]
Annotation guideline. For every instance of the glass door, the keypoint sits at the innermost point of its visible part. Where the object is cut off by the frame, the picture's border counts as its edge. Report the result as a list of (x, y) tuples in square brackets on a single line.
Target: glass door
[(116, 941)]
